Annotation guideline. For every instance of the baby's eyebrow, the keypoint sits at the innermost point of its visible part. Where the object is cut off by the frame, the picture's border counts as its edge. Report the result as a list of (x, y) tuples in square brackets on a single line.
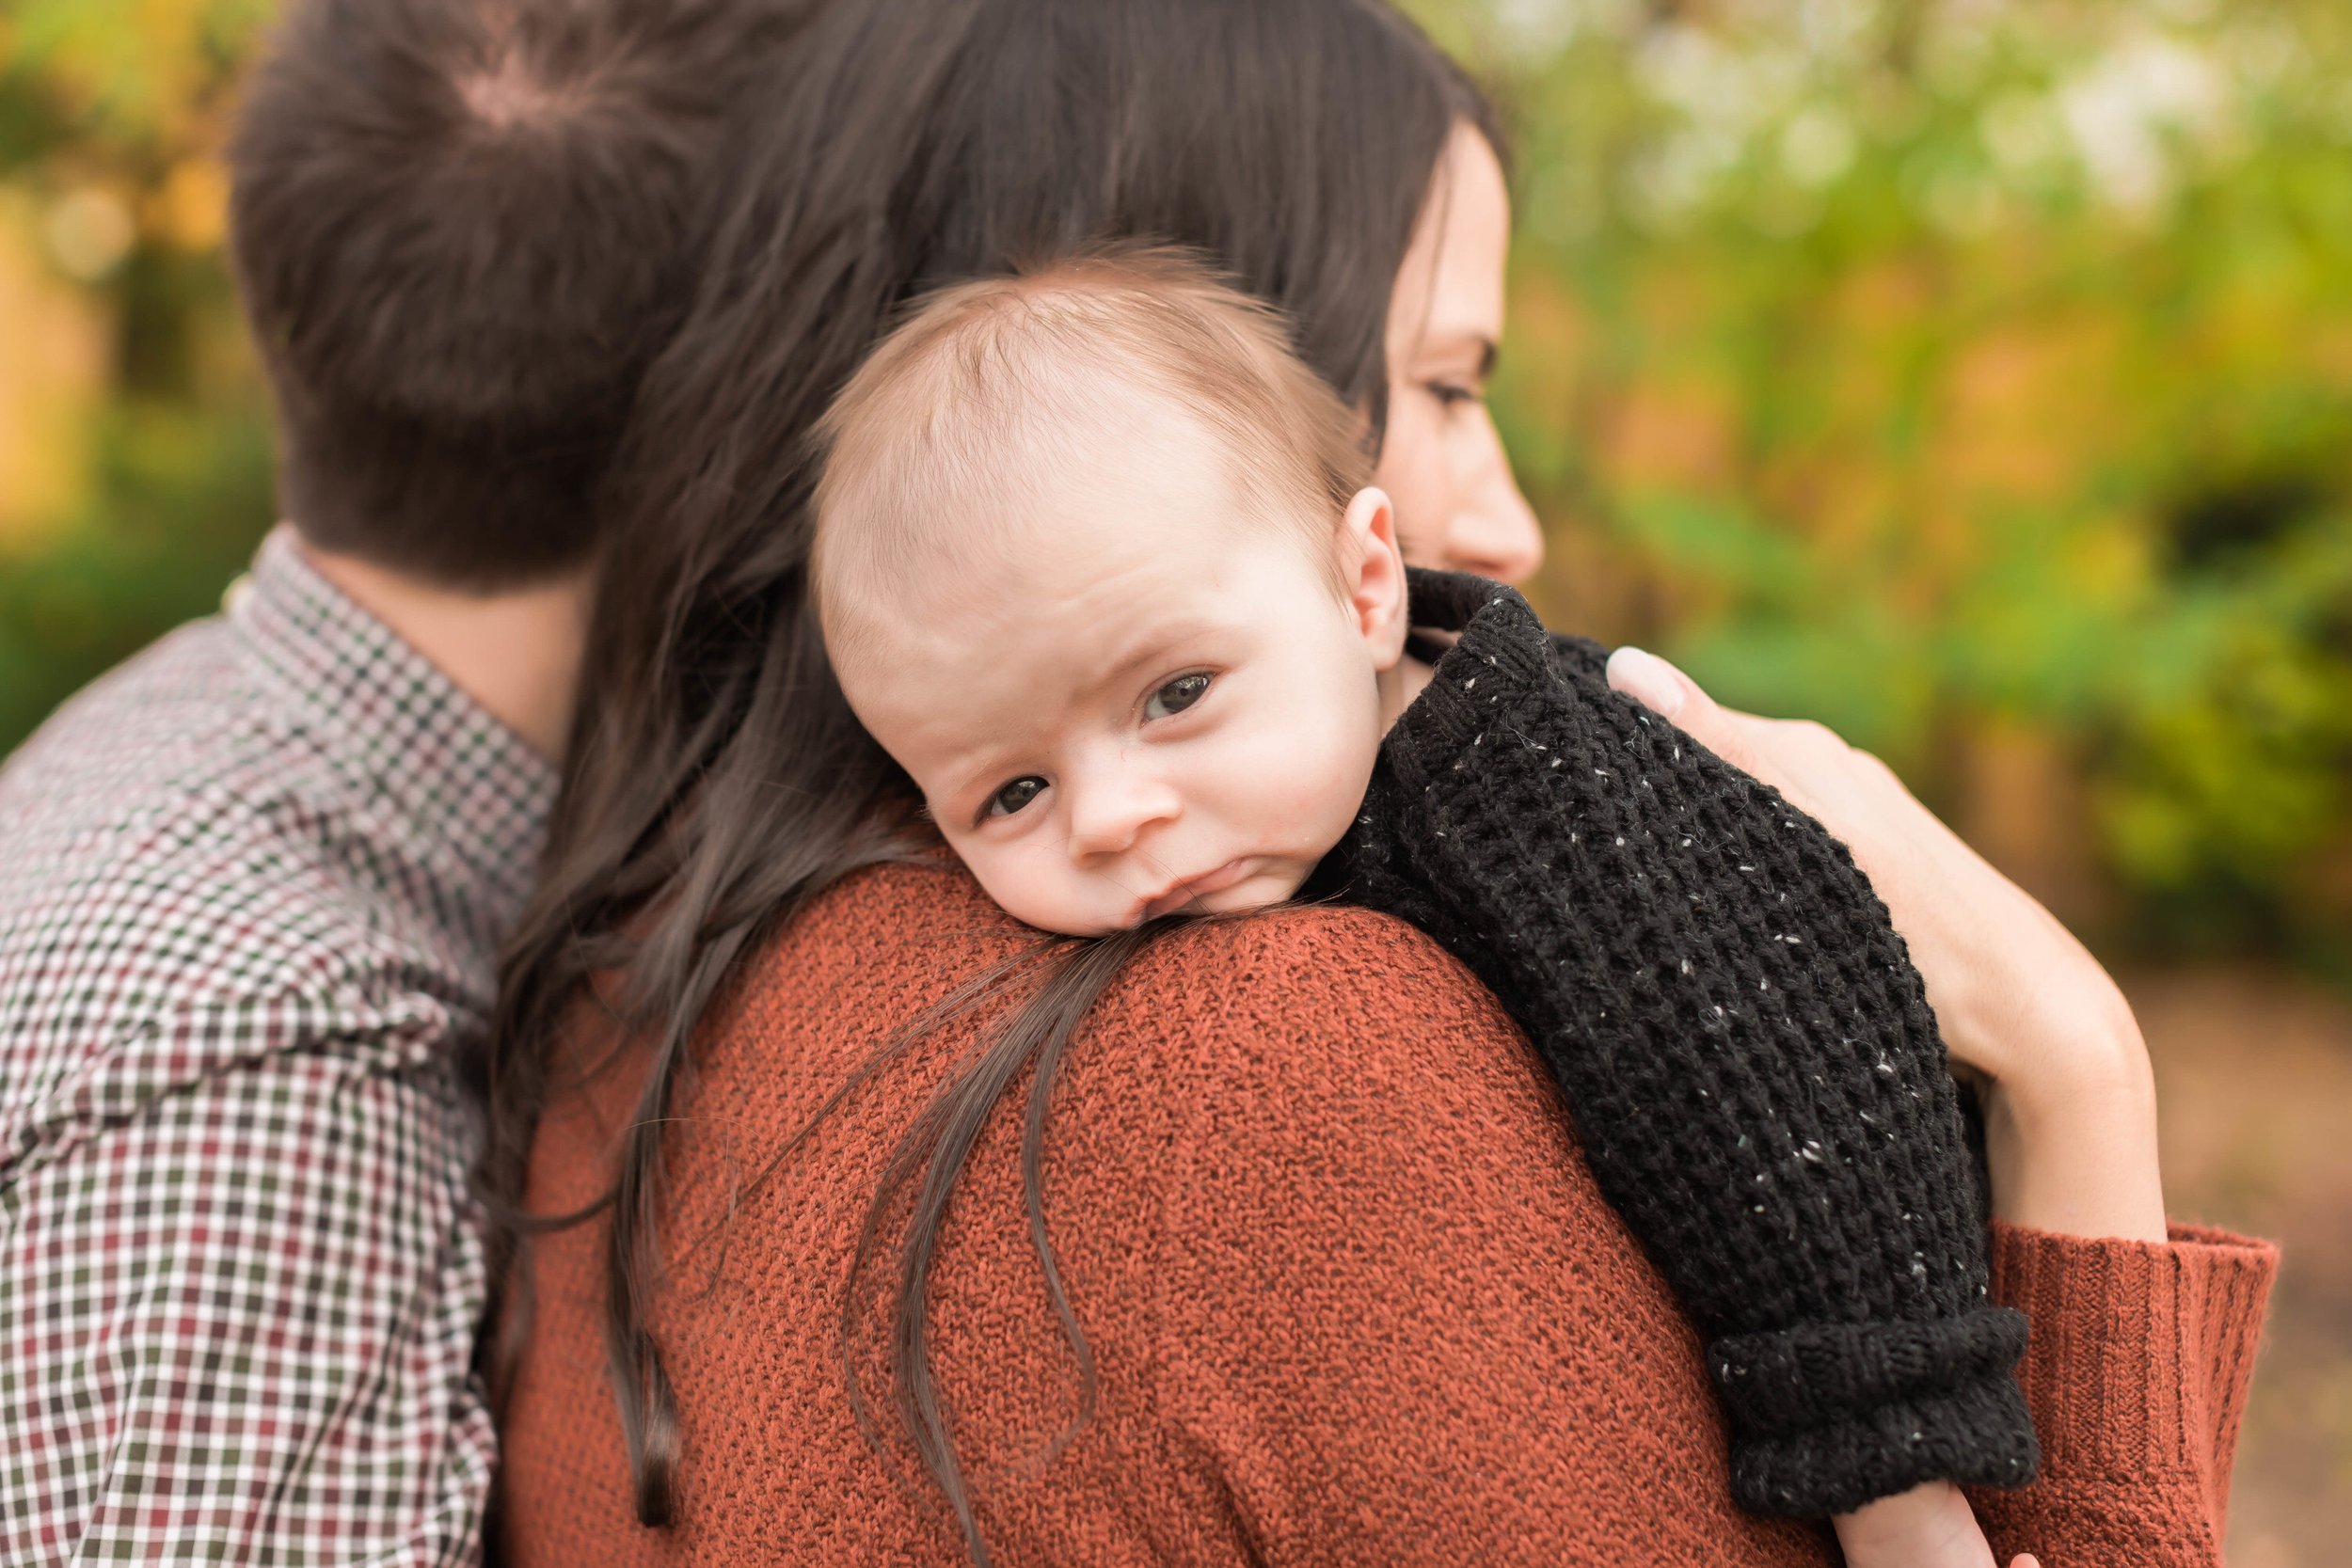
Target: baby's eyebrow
[(980, 775), (1155, 639)]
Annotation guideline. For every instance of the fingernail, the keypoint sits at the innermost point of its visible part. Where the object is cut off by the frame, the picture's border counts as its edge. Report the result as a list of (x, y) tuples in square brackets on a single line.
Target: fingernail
[(1644, 677)]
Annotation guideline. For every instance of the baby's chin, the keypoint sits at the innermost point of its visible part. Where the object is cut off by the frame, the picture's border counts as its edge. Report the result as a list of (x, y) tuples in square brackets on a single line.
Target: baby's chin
[(1259, 890)]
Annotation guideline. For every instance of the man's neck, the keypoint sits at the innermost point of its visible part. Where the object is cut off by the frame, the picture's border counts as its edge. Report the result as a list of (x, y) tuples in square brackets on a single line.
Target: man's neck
[(516, 651)]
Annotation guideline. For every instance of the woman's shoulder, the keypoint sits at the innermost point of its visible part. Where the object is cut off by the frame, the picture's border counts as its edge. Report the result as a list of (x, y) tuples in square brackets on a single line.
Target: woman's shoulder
[(1325, 1033), (1311, 972), (1297, 991), (1330, 1011), (1321, 976), (1324, 1020), (1342, 1033)]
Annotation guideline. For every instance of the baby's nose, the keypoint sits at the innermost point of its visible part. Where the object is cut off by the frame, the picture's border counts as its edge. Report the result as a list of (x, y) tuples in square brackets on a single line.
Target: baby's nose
[(1108, 817)]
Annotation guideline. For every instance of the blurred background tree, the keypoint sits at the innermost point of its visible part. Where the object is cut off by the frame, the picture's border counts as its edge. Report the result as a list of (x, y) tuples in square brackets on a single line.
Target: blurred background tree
[(134, 475)]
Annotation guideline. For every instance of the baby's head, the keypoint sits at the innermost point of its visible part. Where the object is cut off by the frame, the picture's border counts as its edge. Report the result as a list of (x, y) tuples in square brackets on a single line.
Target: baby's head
[(1097, 565)]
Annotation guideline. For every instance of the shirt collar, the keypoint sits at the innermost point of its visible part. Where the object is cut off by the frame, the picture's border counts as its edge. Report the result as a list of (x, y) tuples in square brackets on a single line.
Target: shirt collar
[(439, 758)]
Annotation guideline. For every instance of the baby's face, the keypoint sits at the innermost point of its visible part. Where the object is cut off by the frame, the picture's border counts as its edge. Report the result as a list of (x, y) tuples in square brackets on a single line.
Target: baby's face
[(1152, 702)]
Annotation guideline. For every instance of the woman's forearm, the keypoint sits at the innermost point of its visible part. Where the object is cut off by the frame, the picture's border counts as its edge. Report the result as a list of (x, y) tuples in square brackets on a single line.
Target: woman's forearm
[(2071, 1105), (2084, 1163)]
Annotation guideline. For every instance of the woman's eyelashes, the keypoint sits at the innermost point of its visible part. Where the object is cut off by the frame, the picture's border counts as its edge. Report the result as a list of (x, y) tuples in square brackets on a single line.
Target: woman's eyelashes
[(1451, 395)]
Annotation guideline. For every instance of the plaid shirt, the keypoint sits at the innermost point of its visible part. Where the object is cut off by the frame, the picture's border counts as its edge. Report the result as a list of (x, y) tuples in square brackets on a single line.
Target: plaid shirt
[(251, 885)]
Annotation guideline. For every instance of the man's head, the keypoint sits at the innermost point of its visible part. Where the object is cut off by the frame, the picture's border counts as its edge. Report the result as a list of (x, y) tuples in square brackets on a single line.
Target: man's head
[(1096, 565), (462, 228)]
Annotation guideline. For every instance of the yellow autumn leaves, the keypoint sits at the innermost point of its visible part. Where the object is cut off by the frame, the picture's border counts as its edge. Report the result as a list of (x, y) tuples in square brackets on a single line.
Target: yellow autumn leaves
[(114, 113)]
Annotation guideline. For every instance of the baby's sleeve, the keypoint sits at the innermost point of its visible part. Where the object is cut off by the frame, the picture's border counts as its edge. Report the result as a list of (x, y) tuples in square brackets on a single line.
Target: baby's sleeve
[(1748, 1054)]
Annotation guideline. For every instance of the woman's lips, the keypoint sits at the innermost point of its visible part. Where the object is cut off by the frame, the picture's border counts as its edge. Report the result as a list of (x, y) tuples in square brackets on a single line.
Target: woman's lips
[(1185, 892)]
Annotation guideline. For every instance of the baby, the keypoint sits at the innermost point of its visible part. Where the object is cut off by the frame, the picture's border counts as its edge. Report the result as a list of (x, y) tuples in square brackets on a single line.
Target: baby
[(1098, 563)]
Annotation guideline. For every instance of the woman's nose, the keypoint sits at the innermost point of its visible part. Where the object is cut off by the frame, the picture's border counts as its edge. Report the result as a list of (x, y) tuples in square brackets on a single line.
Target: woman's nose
[(1109, 812), (1493, 531)]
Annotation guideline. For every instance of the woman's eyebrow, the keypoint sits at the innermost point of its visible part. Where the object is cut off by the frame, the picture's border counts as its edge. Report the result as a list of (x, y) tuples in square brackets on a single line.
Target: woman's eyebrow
[(1445, 345)]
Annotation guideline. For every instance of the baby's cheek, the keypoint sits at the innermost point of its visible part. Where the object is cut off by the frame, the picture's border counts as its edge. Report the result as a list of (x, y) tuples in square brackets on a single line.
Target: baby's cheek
[(1030, 877), (1309, 784), (999, 873)]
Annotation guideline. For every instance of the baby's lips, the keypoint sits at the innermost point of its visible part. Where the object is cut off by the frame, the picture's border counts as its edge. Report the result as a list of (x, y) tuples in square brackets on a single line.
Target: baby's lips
[(1183, 893)]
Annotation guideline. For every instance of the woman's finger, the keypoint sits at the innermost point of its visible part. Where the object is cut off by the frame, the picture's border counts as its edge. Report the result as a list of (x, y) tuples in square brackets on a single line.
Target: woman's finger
[(1676, 697), (1671, 695), (1651, 681)]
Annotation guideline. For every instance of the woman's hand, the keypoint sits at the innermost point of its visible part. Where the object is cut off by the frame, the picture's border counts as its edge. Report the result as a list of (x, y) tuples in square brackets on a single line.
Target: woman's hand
[(2069, 1104)]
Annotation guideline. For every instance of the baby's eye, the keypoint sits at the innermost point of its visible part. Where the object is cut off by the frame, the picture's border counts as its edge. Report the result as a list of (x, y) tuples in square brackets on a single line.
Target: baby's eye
[(1176, 696), (1010, 798)]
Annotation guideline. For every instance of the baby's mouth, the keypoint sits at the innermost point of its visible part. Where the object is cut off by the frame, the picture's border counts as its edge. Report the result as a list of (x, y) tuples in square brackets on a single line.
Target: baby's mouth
[(1185, 892)]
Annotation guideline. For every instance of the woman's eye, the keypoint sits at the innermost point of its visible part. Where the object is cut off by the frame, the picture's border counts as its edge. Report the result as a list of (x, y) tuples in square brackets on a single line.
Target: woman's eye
[(1015, 795), (1452, 396), (1176, 696)]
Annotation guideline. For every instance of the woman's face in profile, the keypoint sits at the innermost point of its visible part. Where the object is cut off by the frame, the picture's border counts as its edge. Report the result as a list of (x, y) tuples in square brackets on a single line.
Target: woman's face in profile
[(1441, 462)]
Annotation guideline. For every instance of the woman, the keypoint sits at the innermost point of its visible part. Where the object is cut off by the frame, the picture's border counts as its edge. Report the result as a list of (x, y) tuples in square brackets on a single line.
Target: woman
[(1326, 1277)]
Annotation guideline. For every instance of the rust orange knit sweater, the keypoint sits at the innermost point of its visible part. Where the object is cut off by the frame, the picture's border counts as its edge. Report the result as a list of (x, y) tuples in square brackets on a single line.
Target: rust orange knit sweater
[(1354, 1295)]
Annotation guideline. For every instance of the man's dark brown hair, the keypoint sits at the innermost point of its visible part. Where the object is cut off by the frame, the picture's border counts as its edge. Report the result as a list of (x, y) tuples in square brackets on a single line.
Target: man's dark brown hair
[(462, 228)]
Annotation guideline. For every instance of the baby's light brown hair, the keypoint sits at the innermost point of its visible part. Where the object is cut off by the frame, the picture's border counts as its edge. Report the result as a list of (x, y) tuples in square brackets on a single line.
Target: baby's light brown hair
[(992, 388)]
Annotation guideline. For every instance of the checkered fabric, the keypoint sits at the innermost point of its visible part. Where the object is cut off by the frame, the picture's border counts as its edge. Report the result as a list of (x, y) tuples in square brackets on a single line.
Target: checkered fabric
[(251, 886)]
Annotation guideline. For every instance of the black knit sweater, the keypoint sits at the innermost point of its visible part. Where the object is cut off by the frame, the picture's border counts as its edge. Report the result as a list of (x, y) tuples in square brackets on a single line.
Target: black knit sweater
[(1745, 1047)]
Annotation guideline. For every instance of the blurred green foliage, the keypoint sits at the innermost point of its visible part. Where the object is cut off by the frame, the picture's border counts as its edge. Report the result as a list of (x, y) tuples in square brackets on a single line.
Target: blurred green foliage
[(1974, 376)]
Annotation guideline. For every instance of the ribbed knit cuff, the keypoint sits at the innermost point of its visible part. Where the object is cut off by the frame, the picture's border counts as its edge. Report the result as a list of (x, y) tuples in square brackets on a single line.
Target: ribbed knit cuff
[(1828, 1417), (1503, 657), (2142, 1352), (1457, 707)]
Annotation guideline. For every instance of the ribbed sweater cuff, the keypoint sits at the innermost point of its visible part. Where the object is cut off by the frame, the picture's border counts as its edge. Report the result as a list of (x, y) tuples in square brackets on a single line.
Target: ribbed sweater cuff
[(2142, 1352), (1456, 709), (1828, 1417)]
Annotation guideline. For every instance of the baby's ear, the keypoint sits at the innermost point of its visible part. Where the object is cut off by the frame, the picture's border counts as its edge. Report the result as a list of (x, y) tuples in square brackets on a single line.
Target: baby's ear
[(1375, 581)]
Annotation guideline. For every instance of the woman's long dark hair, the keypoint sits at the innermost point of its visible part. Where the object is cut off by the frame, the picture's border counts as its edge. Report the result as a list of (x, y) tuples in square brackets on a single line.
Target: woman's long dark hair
[(716, 779)]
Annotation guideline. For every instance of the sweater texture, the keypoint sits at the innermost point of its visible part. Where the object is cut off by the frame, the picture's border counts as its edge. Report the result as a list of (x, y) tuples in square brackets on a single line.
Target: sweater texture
[(1743, 1042), (1352, 1292)]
